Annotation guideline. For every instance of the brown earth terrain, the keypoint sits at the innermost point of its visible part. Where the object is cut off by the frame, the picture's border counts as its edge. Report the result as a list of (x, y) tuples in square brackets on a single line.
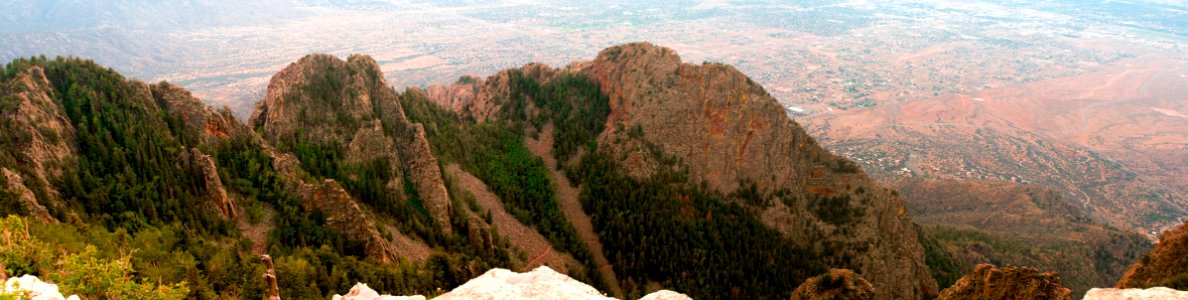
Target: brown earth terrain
[(536, 249), (567, 197), (1114, 141), (1005, 223)]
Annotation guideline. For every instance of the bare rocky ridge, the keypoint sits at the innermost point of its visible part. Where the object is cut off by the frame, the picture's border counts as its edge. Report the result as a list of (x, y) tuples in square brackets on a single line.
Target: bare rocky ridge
[(199, 121), (345, 215), (49, 151), (728, 131), (1010, 282), (1166, 265), (323, 100), (836, 284), (223, 204)]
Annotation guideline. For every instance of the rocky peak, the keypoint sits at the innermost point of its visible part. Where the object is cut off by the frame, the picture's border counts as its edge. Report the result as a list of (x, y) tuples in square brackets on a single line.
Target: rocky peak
[(730, 133), (322, 97), (740, 132), (328, 102), (1010, 282)]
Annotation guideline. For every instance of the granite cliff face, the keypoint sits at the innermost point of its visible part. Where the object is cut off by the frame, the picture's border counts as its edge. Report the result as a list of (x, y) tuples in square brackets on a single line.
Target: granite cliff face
[(1010, 282), (730, 133), (348, 107), (1166, 265)]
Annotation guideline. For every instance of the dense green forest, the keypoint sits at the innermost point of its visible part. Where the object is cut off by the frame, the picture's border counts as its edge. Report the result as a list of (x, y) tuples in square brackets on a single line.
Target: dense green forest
[(494, 151), (137, 222)]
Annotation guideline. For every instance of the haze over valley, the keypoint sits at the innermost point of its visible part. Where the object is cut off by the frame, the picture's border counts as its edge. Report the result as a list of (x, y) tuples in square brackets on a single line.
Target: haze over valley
[(907, 141)]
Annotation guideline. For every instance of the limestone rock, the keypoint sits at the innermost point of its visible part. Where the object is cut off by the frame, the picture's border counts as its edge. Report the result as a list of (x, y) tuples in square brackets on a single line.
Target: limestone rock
[(1010, 282), (362, 292), (1155, 293), (836, 284), (541, 283), (34, 289), (665, 295)]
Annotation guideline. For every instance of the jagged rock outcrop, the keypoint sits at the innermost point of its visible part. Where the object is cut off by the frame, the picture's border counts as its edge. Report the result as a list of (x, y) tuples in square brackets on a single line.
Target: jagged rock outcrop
[(210, 175), (479, 234), (199, 122), (1010, 282), (325, 101), (456, 96), (836, 284), (729, 132), (344, 215), (1166, 265), (1155, 293), (25, 196), (502, 284), (425, 174)]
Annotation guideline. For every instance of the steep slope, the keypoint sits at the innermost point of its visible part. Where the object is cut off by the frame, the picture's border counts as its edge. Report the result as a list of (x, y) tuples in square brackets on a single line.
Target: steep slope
[(710, 153), (1003, 223), (342, 121), (733, 136), (37, 141), (1166, 265), (153, 188)]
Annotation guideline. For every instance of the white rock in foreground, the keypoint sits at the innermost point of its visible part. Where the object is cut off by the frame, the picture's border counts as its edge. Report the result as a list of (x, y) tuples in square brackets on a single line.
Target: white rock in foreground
[(1155, 293), (362, 292), (34, 289), (498, 284)]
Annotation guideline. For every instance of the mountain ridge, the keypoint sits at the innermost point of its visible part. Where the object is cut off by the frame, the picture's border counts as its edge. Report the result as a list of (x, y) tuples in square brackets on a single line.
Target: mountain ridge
[(692, 175)]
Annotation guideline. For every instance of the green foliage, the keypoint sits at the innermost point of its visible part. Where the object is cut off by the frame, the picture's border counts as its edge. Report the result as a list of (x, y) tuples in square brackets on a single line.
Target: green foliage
[(131, 185), (128, 171), (1179, 282), (836, 209), (688, 237), (495, 153), (85, 272), (940, 263)]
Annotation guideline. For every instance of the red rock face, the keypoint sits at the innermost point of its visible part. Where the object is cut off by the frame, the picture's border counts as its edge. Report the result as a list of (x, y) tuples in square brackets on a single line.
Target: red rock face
[(728, 131), (1010, 282)]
